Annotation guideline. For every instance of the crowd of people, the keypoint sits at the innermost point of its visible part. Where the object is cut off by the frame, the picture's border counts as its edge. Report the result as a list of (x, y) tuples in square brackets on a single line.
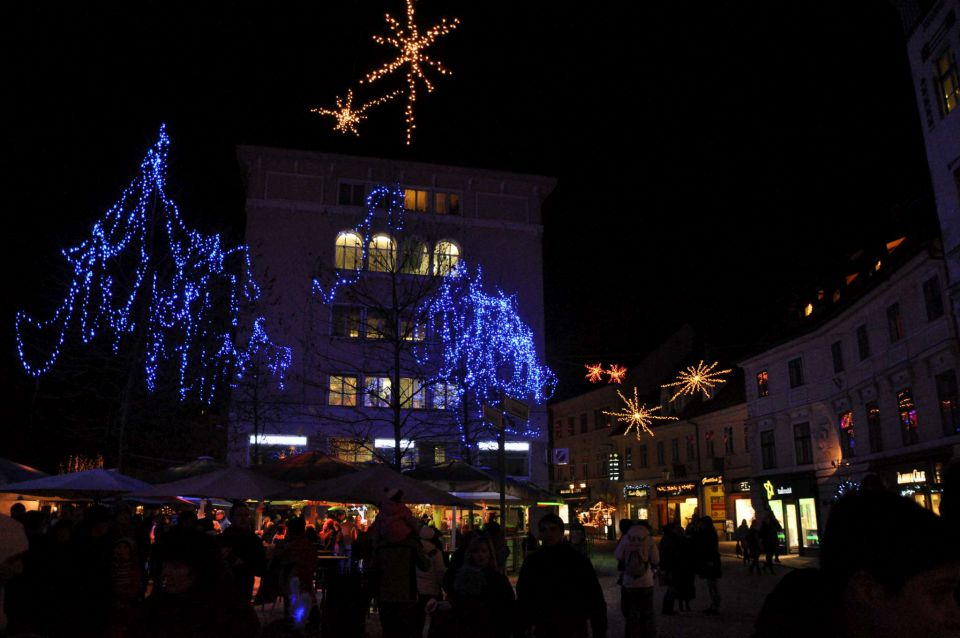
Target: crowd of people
[(102, 572)]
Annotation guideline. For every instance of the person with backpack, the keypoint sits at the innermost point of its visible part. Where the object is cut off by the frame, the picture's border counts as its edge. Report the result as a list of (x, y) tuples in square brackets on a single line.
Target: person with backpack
[(640, 557)]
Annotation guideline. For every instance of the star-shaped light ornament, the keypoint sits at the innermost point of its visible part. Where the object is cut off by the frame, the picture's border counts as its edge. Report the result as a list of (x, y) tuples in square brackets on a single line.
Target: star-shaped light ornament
[(594, 372), (616, 374), (411, 44), (700, 378), (638, 416), (348, 117)]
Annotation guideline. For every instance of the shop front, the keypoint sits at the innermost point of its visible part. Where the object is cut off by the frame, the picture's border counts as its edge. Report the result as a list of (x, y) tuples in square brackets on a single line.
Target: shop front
[(921, 481), (793, 501), (576, 500), (636, 498), (740, 501), (676, 502), (714, 501)]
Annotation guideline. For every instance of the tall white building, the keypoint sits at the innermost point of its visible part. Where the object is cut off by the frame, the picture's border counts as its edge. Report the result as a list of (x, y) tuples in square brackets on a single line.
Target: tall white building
[(307, 221)]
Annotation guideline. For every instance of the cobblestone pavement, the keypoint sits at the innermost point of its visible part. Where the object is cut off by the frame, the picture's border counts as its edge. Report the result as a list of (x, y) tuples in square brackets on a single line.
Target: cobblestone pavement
[(741, 598)]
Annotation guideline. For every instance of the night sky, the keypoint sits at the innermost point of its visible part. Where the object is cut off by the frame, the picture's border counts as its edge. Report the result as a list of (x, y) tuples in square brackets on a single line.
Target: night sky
[(712, 161)]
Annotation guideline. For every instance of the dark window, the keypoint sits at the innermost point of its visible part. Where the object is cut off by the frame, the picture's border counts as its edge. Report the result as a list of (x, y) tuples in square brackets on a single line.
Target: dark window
[(873, 426), (947, 397), (558, 430), (675, 450), (351, 194), (895, 322), (691, 450), (378, 324), (768, 450), (586, 470), (583, 423), (661, 459), (628, 458), (795, 368), (801, 443), (946, 81), (345, 321), (643, 456), (571, 425), (711, 448), (599, 419), (836, 351), (728, 440), (933, 298), (746, 438), (908, 416), (848, 440), (762, 387), (863, 342)]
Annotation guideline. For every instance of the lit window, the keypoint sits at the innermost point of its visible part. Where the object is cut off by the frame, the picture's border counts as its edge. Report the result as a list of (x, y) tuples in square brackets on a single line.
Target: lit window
[(377, 393), (415, 258), (947, 82), (808, 310), (848, 440), (908, 416), (350, 451), (762, 388), (414, 200), (445, 257), (447, 204), (343, 391), (412, 393), (377, 325), (348, 254), (412, 329), (445, 397), (383, 253)]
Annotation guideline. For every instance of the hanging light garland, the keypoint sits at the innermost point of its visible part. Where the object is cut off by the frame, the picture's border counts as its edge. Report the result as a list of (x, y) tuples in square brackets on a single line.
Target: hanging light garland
[(638, 416), (700, 378), (348, 118)]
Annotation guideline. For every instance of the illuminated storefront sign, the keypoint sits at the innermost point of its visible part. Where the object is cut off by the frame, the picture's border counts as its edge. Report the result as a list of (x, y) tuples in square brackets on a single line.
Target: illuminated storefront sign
[(916, 476), (711, 480), (677, 489), (742, 486), (636, 491), (779, 490)]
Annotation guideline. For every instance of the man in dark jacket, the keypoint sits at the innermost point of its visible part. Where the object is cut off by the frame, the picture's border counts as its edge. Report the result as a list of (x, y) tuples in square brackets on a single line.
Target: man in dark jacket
[(558, 590)]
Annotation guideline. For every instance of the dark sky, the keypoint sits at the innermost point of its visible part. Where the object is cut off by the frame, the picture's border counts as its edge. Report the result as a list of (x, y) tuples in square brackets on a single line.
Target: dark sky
[(710, 159)]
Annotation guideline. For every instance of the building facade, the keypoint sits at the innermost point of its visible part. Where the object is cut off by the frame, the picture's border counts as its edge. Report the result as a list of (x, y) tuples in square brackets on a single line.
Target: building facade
[(350, 310), (870, 388), (933, 48)]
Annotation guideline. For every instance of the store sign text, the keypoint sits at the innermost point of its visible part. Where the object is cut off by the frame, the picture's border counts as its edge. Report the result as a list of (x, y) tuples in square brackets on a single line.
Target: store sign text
[(916, 476), (711, 480), (676, 489), (636, 491)]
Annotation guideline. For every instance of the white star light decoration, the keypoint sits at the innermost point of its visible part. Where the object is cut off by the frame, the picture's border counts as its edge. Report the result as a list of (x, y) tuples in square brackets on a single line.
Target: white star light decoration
[(700, 378), (638, 416), (348, 117), (411, 45)]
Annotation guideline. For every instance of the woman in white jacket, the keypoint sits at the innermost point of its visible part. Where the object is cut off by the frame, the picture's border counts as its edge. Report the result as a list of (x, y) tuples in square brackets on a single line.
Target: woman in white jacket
[(640, 557)]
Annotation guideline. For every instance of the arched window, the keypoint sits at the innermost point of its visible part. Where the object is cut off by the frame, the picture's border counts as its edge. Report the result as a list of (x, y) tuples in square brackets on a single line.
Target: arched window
[(382, 253), (414, 257), (446, 254), (348, 254)]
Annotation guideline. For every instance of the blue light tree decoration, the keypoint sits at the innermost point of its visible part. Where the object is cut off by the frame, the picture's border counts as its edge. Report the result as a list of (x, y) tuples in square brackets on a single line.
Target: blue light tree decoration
[(483, 350), (180, 305)]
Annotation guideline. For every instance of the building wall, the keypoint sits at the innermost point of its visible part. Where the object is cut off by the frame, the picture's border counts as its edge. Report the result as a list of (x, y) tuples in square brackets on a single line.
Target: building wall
[(930, 36), (293, 218), (928, 347)]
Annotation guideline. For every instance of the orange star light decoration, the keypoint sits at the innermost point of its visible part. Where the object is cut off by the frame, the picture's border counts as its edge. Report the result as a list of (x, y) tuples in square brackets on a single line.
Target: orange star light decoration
[(594, 372), (411, 44), (637, 416), (616, 373), (347, 117), (700, 378)]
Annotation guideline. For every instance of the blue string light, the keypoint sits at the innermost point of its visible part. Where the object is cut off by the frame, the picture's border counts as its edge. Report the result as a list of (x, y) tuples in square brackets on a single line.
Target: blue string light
[(175, 298), (390, 199), (485, 348)]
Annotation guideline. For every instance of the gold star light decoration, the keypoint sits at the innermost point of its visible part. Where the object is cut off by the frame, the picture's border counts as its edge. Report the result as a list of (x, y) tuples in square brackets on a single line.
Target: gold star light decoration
[(594, 372), (348, 117), (638, 416), (411, 44), (700, 378)]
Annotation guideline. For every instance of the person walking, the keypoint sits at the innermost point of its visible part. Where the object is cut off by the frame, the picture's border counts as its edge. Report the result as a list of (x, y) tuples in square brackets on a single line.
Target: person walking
[(707, 551), (482, 599), (430, 581), (558, 593), (741, 536), (770, 539), (753, 547), (640, 557)]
